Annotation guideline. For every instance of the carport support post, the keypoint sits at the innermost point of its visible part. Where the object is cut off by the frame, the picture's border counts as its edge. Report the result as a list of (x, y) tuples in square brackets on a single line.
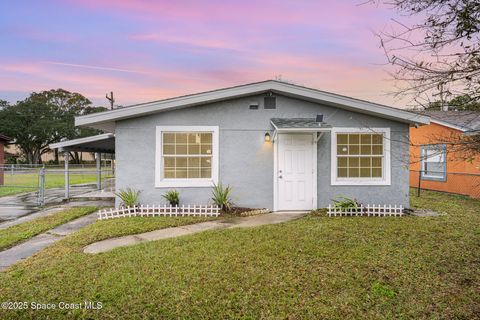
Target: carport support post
[(98, 157), (66, 156)]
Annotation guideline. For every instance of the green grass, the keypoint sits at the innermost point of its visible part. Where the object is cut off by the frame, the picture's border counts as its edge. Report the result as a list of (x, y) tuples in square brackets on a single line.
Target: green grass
[(26, 230), (29, 181), (315, 267)]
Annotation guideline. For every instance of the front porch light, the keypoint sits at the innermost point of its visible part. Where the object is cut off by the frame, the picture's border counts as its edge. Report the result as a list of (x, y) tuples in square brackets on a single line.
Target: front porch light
[(267, 137)]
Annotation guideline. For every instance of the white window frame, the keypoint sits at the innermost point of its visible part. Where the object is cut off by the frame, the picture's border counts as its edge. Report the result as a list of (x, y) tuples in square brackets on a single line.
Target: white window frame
[(386, 174), (161, 182), (423, 161)]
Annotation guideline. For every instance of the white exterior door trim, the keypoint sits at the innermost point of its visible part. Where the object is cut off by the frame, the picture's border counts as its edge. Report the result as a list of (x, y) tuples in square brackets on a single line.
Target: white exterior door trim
[(276, 202)]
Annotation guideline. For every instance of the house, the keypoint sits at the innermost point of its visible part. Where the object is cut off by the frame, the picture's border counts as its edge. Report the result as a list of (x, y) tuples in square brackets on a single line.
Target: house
[(436, 163), (278, 145), (3, 141)]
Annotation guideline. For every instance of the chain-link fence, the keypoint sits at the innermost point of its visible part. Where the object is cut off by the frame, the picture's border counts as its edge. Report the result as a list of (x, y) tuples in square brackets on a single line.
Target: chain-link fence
[(452, 182), (48, 182), (16, 179)]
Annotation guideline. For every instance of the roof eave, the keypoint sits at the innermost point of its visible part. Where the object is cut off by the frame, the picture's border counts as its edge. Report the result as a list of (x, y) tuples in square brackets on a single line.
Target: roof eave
[(472, 132), (103, 119), (450, 125), (68, 143)]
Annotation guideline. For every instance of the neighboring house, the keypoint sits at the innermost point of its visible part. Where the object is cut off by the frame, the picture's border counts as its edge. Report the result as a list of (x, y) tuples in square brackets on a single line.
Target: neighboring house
[(440, 165), (3, 141), (278, 145)]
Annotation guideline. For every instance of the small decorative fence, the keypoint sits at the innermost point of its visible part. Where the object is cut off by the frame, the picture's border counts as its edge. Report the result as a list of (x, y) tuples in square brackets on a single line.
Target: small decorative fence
[(160, 211), (369, 210)]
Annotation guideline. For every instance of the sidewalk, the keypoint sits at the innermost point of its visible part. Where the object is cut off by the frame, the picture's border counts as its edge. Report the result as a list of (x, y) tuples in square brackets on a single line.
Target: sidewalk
[(41, 241), (51, 210), (245, 222)]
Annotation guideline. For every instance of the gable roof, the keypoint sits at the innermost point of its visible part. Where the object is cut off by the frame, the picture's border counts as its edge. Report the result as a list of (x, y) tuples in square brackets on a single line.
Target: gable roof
[(461, 120), (106, 120)]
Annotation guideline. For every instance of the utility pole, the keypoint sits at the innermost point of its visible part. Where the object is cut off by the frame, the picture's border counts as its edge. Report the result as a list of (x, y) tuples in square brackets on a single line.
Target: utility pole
[(111, 99)]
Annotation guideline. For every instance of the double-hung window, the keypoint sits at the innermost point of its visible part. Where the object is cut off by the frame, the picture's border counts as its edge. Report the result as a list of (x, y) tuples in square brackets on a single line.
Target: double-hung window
[(433, 162), (187, 156), (360, 156)]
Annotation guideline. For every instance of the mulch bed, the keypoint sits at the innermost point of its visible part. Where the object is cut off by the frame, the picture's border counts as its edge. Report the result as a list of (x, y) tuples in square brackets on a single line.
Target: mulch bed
[(246, 212)]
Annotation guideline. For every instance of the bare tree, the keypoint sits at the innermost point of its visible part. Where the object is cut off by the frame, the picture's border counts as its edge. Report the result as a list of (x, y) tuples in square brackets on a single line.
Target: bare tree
[(434, 53)]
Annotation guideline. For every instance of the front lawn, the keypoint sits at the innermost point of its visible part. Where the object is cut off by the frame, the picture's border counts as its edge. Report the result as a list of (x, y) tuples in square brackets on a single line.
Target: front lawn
[(26, 230), (315, 267)]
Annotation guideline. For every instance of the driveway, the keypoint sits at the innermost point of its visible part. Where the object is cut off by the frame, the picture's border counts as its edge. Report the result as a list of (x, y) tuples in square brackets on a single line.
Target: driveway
[(17, 206)]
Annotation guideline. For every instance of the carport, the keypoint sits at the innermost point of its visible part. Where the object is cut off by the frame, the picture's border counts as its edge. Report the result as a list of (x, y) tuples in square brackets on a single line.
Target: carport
[(99, 144)]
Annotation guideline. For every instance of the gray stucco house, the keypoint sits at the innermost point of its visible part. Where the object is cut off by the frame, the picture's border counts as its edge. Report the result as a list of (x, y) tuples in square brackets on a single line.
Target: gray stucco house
[(280, 146)]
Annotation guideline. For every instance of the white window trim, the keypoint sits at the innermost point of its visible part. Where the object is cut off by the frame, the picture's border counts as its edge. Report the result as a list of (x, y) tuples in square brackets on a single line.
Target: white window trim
[(386, 176), (423, 161), (171, 183)]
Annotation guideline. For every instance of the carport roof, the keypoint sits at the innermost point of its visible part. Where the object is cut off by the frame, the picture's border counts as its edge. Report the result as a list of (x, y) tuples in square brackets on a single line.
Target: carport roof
[(104, 143)]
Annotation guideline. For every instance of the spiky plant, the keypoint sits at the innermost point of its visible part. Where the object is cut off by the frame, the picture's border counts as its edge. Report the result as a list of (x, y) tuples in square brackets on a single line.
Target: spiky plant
[(343, 202), (173, 197), (221, 196), (129, 197)]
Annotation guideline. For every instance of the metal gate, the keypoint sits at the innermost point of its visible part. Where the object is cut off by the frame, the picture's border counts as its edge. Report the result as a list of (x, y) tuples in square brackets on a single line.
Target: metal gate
[(22, 185)]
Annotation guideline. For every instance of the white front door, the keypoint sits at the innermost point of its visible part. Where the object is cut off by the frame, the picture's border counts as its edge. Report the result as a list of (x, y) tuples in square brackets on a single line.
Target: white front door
[(295, 172)]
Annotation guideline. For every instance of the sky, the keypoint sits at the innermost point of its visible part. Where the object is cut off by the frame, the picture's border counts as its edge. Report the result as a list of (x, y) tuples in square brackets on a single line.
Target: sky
[(148, 50)]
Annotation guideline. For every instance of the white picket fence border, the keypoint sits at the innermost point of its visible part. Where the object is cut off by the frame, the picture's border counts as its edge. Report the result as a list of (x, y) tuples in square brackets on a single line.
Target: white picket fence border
[(368, 210), (160, 211)]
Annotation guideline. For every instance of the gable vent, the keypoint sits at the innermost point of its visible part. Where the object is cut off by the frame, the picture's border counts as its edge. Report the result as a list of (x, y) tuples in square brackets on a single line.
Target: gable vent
[(270, 103)]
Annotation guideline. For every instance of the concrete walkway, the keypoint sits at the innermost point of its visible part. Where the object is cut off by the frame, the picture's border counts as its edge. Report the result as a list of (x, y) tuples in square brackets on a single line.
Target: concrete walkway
[(52, 210), (41, 241), (21, 205), (263, 219)]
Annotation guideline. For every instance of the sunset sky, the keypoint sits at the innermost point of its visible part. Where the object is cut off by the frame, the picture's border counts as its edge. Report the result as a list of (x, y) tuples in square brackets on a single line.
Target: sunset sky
[(148, 50)]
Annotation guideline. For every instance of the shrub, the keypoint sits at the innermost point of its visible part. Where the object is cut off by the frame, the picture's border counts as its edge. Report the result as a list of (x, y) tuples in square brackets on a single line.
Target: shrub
[(173, 197), (129, 197), (343, 202), (221, 197)]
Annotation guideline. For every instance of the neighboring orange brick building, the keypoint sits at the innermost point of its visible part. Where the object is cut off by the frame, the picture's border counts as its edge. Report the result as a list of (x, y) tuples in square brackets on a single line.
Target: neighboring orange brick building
[(3, 141), (436, 164)]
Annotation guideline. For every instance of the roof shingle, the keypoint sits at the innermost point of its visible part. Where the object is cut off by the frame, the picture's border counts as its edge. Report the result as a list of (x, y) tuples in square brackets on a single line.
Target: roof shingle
[(302, 123), (470, 120)]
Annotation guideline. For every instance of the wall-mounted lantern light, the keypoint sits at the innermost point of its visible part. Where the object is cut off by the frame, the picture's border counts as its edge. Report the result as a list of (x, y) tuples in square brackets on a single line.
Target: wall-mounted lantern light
[(267, 137)]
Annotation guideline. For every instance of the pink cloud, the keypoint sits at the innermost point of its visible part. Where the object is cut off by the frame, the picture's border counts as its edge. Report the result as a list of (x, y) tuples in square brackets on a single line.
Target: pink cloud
[(182, 40), (329, 74), (244, 12)]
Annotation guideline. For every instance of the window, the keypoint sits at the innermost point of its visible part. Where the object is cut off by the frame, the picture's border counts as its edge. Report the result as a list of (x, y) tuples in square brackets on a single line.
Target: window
[(433, 162), (360, 156), (186, 156)]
